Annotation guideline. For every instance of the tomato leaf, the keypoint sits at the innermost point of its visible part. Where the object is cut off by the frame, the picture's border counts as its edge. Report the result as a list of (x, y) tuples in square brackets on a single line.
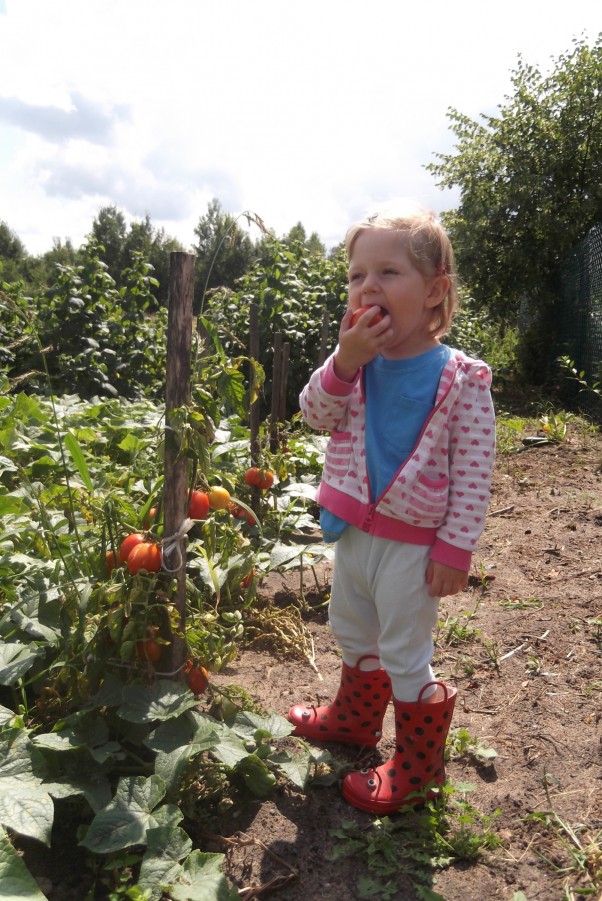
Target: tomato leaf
[(77, 455)]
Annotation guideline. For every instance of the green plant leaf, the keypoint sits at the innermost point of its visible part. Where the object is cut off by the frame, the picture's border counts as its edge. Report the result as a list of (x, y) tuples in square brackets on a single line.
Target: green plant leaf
[(296, 768), (125, 821), (15, 660), (203, 880), (25, 804), (247, 723), (77, 455), (161, 701), (166, 847), (16, 882)]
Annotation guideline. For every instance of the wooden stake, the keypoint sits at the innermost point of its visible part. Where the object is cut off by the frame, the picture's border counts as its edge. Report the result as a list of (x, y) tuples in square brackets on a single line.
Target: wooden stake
[(179, 340)]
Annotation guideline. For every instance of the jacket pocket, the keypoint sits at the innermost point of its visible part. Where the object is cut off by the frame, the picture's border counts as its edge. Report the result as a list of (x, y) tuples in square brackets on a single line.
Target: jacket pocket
[(428, 500), (338, 455)]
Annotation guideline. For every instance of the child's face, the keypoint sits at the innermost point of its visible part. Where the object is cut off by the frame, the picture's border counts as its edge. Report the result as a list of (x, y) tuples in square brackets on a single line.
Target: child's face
[(381, 273)]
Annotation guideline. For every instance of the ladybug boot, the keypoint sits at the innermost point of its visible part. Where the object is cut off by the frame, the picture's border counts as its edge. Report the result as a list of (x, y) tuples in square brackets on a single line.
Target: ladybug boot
[(420, 729), (356, 714)]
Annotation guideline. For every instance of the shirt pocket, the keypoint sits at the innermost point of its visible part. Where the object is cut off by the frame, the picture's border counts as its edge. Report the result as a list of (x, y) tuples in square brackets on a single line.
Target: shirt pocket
[(428, 500), (338, 455)]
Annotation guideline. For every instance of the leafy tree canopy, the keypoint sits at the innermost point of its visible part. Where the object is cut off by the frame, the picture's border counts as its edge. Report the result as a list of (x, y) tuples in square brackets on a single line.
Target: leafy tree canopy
[(530, 180), (117, 246), (224, 251)]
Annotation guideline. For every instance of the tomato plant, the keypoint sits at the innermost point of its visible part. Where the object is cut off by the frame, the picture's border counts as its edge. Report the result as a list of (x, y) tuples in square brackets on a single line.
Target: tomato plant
[(145, 555), (148, 650), (198, 507), (378, 317), (127, 545)]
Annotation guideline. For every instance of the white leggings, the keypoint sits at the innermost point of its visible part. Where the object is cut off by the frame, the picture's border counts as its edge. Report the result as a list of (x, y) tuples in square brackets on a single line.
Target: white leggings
[(380, 605)]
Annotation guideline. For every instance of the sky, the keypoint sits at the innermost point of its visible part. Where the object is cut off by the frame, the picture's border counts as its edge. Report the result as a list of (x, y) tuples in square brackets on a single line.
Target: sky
[(312, 111)]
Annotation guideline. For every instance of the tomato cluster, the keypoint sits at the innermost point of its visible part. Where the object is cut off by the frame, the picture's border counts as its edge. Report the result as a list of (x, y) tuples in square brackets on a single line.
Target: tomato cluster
[(138, 553), (259, 478)]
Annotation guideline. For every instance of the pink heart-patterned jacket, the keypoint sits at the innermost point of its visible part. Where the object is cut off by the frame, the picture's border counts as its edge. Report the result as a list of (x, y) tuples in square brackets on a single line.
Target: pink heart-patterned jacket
[(439, 496)]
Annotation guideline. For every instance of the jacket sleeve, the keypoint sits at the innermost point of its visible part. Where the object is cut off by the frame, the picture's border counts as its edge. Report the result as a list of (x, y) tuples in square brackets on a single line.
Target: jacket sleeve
[(325, 398), (472, 455)]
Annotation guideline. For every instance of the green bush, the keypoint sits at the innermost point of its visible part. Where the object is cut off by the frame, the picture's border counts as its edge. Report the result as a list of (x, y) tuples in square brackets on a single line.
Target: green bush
[(292, 288), (93, 338)]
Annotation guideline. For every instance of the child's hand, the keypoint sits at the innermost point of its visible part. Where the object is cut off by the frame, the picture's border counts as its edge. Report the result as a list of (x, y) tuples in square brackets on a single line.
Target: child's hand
[(444, 580), (360, 343)]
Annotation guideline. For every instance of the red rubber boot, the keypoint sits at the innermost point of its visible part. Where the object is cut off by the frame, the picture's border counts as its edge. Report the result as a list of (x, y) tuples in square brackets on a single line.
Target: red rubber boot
[(355, 716), (421, 729)]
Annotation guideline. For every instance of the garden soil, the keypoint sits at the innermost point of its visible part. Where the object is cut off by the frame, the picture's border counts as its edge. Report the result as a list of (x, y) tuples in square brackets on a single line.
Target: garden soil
[(523, 646), (529, 680)]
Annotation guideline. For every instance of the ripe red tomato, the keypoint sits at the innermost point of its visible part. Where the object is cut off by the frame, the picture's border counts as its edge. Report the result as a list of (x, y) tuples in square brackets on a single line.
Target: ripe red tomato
[(127, 546), (197, 679), (148, 650), (253, 476), (359, 313), (198, 508), (266, 480), (146, 555)]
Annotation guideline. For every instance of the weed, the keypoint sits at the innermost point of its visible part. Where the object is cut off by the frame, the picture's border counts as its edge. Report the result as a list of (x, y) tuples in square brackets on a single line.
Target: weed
[(596, 631), (453, 631), (521, 603), (533, 665), (461, 744), (579, 858), (482, 579), (413, 845), (554, 425), (492, 652)]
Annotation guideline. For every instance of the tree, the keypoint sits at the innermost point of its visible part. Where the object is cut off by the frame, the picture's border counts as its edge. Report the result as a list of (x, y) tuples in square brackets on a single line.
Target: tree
[(109, 232), (118, 244), (13, 255), (530, 181), (155, 246), (298, 236), (224, 252)]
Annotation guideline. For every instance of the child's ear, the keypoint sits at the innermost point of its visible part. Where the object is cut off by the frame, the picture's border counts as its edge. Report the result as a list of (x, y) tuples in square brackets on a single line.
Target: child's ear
[(438, 292)]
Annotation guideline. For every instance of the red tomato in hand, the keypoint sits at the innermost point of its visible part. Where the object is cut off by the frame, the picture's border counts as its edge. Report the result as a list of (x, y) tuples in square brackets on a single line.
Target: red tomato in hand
[(198, 508), (146, 555), (127, 545), (359, 313)]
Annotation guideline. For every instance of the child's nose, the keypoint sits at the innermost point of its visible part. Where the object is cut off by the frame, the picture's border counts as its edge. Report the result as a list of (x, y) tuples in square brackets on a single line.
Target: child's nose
[(370, 283)]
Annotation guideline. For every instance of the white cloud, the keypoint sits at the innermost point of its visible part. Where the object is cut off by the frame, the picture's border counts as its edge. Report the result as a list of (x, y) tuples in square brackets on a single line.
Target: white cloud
[(310, 111)]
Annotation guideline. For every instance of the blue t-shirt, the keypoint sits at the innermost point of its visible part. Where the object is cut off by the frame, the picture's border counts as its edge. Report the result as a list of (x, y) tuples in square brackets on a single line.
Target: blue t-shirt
[(400, 395)]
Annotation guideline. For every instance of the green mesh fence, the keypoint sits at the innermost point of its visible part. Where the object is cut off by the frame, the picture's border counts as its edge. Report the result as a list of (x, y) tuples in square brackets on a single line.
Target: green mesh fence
[(580, 307)]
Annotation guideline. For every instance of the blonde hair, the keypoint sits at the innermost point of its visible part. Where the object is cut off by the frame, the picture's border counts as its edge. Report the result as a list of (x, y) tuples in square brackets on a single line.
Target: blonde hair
[(428, 247)]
